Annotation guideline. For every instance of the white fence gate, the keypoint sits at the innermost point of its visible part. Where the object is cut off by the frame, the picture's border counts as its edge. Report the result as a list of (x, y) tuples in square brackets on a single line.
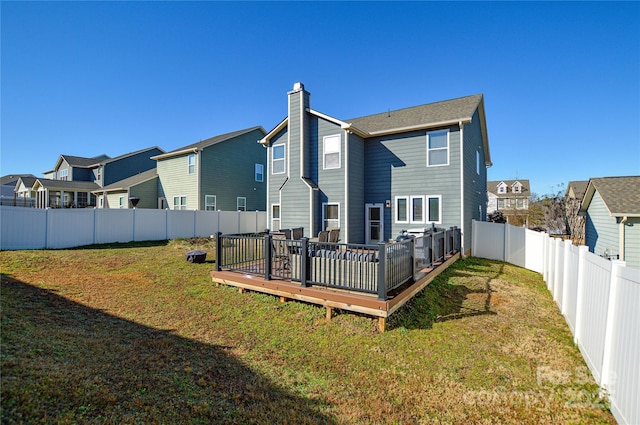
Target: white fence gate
[(33, 228), (600, 300)]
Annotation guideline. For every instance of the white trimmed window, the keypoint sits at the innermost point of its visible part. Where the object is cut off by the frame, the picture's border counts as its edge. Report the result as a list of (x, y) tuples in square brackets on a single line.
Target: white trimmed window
[(330, 215), (241, 203), (417, 209), (331, 151), (402, 209), (259, 172), (275, 217), (209, 202), (477, 163), (502, 188), (121, 203), (438, 148), (434, 209), (192, 163), (517, 188), (278, 159), (63, 174), (179, 202)]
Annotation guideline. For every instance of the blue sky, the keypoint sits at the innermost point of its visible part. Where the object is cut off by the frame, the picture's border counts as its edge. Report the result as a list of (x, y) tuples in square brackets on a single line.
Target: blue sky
[(561, 80)]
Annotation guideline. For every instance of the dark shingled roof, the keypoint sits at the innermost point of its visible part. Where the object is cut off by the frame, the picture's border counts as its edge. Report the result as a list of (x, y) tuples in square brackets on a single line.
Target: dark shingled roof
[(215, 139), (431, 113), (579, 187), (621, 195), (124, 184), (79, 161), (13, 178), (80, 186), (492, 186)]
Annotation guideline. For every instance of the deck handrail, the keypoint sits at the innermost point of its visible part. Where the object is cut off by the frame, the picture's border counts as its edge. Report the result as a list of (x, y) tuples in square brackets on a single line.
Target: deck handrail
[(375, 269)]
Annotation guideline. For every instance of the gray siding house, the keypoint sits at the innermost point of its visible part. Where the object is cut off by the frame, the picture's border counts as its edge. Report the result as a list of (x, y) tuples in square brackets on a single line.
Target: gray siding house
[(74, 181), (376, 175), (611, 206), (225, 172)]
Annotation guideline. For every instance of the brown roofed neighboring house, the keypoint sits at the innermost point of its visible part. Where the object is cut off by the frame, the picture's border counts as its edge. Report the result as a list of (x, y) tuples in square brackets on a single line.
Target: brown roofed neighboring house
[(611, 206), (572, 201), (511, 197)]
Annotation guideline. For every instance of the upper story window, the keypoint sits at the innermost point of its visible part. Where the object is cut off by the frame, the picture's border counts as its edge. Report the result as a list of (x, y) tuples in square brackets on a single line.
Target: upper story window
[(331, 151), (278, 159), (259, 172), (477, 163), (438, 148), (517, 188), (241, 203), (192, 163), (502, 188), (63, 174), (209, 202)]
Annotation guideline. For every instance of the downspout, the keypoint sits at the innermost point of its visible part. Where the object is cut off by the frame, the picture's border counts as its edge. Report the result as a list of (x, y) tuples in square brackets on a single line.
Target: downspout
[(462, 222), (346, 187), (621, 249)]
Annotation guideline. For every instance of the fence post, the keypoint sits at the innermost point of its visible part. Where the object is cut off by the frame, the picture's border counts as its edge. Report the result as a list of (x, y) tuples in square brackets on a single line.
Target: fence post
[(605, 377), (382, 260), (267, 256), (582, 253), (46, 228), (304, 261), (505, 243), (218, 251), (412, 250), (565, 276)]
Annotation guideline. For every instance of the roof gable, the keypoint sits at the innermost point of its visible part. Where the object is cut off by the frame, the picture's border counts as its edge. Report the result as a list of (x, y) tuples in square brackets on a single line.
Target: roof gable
[(621, 195), (125, 184)]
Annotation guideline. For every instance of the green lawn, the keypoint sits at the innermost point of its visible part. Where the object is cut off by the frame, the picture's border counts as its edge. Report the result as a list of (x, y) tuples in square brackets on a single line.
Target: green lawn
[(135, 334)]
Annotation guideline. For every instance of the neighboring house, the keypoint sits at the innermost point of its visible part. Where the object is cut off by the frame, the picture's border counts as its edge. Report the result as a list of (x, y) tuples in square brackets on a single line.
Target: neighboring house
[(376, 175), (100, 171), (511, 197), (8, 186), (225, 172), (572, 201), (611, 206), (141, 189)]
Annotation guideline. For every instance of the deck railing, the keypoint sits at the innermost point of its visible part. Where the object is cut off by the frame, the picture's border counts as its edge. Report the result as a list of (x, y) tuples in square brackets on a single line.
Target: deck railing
[(376, 269)]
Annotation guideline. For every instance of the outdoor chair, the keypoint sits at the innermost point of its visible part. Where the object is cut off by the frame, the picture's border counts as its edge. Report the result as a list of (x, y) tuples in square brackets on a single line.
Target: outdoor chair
[(323, 236), (281, 258), (334, 235)]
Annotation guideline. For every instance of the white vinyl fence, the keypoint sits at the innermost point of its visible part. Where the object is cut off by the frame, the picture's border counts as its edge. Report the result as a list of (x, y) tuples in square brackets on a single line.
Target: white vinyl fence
[(34, 228), (599, 298)]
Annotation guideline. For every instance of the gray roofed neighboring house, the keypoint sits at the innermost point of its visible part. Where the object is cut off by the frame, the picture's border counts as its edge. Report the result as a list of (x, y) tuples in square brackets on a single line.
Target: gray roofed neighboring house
[(576, 189), (12, 178), (142, 186), (612, 225), (65, 185)]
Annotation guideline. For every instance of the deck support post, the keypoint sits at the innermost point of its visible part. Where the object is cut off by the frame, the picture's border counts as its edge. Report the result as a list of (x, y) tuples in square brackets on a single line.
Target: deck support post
[(267, 256), (283, 300), (218, 251), (304, 261), (329, 314), (381, 323), (382, 260)]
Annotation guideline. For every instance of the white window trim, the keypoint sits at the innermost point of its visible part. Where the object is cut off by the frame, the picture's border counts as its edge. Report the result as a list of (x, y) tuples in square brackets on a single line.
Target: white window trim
[(411, 216), (189, 165), (121, 203), (279, 217), (180, 206), (478, 162), (206, 203), (395, 213), (255, 171), (238, 203), (324, 205), (325, 152), (427, 210), (439, 149), (283, 159)]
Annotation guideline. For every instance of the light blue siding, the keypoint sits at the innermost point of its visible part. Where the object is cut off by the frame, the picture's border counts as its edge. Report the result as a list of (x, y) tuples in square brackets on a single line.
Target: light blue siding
[(147, 192), (396, 165), (632, 242), (601, 228), (475, 184), (129, 166)]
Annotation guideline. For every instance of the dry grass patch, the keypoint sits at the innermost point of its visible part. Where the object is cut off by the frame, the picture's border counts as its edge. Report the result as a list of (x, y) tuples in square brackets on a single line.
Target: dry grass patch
[(135, 334)]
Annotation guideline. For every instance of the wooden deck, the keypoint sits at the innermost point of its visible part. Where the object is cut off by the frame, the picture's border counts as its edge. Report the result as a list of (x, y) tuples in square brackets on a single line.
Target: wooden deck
[(332, 298)]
